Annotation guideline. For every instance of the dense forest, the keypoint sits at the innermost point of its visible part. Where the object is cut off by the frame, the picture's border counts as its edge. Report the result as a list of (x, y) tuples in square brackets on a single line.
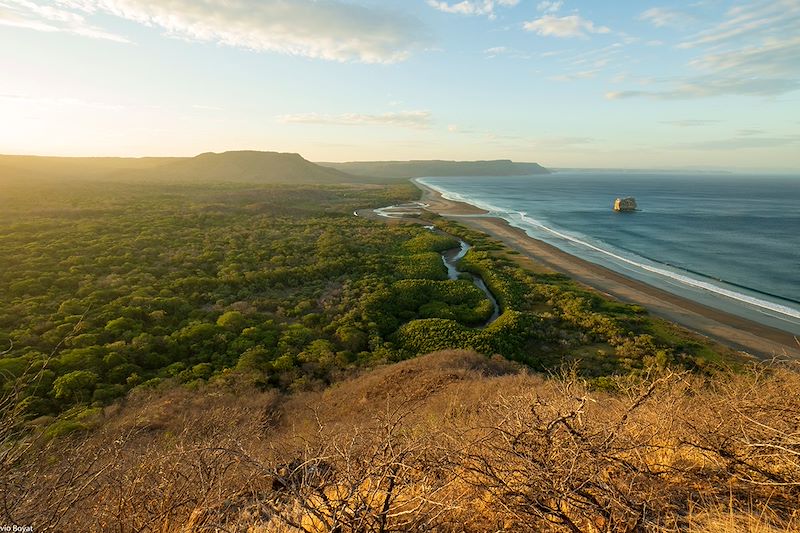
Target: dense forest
[(108, 287)]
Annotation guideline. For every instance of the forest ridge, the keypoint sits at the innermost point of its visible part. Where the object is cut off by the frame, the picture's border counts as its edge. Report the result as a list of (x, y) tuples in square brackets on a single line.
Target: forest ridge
[(245, 165)]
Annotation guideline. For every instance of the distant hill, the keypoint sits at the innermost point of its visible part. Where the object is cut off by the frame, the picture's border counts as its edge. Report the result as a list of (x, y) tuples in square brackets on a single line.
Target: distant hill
[(419, 169), (244, 166), (240, 166), (250, 166)]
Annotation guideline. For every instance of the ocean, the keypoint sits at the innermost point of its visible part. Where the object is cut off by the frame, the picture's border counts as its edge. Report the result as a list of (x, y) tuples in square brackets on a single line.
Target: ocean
[(729, 241)]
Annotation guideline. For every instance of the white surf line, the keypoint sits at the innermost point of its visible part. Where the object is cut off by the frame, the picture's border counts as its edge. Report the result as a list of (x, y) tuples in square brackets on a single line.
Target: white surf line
[(455, 197), (784, 310)]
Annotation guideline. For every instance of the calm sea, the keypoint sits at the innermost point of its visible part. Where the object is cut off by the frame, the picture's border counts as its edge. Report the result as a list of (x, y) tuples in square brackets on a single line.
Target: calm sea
[(727, 240)]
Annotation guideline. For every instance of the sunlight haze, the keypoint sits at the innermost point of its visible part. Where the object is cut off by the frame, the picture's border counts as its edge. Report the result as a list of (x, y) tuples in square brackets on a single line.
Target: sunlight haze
[(638, 84), (373, 266)]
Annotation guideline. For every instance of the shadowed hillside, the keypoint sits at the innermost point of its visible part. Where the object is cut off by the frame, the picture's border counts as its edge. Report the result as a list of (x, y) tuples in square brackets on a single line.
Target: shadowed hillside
[(449, 442), (247, 166), (419, 169), (244, 166), (240, 166)]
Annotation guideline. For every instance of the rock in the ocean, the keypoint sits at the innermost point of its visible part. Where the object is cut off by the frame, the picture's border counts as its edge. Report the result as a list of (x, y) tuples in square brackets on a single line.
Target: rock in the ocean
[(625, 204)]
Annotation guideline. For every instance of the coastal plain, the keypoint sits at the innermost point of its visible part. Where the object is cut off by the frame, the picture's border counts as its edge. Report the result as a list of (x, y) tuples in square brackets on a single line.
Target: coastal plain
[(740, 333), (259, 354)]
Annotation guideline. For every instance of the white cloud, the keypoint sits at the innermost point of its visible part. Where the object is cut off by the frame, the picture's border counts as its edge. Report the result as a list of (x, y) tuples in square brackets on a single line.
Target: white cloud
[(326, 29), (568, 26), (497, 51), (661, 17), (30, 15), (402, 119), (550, 6), (472, 7), (753, 51)]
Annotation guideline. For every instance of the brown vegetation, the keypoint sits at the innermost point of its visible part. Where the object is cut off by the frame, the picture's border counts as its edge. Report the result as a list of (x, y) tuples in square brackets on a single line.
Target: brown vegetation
[(452, 441)]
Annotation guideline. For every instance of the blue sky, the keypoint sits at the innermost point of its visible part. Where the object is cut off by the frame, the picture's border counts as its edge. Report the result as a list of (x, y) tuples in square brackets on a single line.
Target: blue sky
[(709, 83)]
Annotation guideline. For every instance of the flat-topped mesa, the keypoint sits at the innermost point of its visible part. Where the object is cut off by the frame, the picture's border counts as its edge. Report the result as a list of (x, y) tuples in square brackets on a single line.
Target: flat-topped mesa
[(625, 205)]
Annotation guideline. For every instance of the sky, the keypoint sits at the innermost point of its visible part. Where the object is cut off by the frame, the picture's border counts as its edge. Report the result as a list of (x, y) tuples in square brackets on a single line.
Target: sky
[(572, 83)]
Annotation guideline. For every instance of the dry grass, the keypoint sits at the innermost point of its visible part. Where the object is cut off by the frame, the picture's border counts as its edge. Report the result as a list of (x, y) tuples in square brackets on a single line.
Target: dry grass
[(450, 442)]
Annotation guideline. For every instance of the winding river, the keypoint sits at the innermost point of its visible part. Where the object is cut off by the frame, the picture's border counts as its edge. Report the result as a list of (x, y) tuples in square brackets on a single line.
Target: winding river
[(450, 258), (410, 211)]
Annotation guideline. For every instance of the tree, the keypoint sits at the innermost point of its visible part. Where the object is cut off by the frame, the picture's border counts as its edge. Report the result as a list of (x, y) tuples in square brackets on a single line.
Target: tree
[(232, 321), (76, 386), (255, 359)]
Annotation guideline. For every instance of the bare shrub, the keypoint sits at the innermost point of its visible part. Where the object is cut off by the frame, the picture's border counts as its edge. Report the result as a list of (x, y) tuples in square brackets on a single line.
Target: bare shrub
[(450, 442)]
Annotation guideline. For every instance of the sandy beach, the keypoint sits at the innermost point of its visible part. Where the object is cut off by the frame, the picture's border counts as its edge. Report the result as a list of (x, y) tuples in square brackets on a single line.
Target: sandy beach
[(739, 333)]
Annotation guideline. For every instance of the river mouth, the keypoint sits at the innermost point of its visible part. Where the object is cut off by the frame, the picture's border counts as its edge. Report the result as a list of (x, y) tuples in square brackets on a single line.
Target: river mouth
[(412, 212), (450, 258), (407, 210)]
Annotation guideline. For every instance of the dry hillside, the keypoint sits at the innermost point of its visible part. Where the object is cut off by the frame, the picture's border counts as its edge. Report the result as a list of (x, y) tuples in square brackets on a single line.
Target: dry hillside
[(452, 441)]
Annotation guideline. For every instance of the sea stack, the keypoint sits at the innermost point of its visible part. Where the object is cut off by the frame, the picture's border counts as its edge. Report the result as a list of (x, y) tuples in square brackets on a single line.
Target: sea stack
[(625, 205)]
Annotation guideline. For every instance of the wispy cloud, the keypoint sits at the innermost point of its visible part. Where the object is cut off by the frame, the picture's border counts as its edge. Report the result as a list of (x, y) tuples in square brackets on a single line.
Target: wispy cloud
[(325, 29), (548, 6), (691, 122), (741, 142), (402, 119), (590, 63), (703, 87), (567, 26), (774, 57), (753, 51), (497, 51), (597, 56), (748, 22), (661, 16), (580, 75), (472, 7), (31, 15), (750, 131)]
